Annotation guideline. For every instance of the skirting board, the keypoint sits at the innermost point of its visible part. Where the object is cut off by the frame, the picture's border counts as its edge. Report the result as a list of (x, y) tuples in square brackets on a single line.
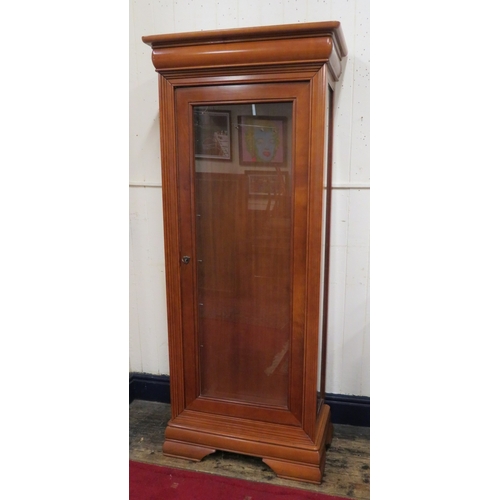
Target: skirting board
[(349, 410)]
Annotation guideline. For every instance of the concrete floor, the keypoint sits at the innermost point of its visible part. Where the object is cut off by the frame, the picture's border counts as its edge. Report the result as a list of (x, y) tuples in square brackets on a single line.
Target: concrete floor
[(347, 469)]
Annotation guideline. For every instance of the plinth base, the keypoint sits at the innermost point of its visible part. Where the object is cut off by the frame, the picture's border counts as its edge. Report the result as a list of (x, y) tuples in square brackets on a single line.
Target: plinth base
[(287, 450)]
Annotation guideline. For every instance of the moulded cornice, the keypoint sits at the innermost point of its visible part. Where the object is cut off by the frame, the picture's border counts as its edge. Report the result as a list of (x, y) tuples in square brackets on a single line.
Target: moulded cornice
[(263, 47)]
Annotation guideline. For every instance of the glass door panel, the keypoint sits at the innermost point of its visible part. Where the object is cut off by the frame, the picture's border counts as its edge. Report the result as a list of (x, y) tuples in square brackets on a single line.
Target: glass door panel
[(243, 235)]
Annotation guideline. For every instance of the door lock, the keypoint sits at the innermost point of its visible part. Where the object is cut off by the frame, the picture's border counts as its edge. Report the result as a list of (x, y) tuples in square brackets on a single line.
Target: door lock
[(186, 259)]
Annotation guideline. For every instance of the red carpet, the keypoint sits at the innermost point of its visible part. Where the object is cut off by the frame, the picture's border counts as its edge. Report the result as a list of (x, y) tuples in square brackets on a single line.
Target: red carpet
[(154, 482)]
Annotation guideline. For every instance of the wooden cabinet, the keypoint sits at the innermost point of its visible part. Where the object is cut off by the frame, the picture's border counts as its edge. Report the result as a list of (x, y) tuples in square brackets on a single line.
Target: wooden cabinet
[(246, 121)]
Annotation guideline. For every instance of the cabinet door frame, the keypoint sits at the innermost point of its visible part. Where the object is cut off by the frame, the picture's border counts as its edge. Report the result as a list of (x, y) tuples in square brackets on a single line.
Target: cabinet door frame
[(298, 93)]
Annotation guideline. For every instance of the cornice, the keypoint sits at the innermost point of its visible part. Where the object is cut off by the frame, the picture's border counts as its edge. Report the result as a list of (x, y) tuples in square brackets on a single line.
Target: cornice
[(233, 50)]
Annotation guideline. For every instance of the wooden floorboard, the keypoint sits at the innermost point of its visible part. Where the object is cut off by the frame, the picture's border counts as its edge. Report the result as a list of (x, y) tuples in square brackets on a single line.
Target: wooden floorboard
[(347, 469)]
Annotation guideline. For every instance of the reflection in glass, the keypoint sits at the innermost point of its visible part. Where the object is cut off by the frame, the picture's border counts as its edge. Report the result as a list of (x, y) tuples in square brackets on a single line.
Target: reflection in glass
[(243, 248)]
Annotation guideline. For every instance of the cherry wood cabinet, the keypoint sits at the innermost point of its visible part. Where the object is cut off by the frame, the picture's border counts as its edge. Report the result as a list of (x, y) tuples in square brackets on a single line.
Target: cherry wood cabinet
[(246, 120)]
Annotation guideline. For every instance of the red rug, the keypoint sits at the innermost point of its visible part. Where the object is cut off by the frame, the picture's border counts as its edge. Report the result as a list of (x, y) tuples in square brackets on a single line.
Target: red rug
[(154, 482)]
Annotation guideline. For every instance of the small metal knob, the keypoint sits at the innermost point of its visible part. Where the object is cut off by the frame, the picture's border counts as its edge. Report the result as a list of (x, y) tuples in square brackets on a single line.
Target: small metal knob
[(186, 259)]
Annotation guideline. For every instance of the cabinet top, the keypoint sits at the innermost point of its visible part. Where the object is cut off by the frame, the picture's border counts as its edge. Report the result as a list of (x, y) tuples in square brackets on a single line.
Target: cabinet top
[(321, 42), (288, 31)]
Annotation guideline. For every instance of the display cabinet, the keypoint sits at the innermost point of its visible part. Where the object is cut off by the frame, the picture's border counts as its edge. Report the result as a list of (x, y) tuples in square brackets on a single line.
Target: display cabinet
[(246, 120)]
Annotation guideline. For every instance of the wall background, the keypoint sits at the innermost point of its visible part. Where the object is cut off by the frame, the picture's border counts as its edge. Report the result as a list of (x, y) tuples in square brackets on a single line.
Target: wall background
[(348, 353)]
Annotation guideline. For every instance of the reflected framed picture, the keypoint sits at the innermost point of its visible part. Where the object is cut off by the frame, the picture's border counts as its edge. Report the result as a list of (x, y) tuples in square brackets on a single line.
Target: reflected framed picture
[(262, 141), (267, 190), (266, 183), (212, 134)]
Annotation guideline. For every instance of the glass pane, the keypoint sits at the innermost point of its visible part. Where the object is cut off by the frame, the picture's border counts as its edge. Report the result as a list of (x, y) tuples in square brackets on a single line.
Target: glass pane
[(243, 250), (325, 249)]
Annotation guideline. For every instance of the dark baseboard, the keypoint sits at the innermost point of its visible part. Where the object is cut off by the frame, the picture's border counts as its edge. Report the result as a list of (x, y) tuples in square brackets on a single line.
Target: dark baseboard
[(349, 410), (149, 387)]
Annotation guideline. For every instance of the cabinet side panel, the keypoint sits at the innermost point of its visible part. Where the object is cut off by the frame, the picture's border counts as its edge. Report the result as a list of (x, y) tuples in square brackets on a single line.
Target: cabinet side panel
[(314, 251), (325, 248)]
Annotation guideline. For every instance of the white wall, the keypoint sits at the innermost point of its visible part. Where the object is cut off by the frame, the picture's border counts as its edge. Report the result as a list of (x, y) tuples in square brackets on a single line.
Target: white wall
[(348, 361)]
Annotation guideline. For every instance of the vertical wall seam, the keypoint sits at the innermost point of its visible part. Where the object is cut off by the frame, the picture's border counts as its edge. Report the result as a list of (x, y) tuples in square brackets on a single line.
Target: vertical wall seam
[(353, 92), (366, 329), (345, 280), (136, 300)]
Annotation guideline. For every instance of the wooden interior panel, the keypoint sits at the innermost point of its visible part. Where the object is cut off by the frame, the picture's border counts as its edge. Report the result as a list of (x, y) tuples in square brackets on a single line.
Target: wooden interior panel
[(244, 287)]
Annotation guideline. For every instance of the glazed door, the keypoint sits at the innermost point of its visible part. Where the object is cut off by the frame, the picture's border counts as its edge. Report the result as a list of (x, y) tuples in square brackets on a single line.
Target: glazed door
[(243, 167)]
